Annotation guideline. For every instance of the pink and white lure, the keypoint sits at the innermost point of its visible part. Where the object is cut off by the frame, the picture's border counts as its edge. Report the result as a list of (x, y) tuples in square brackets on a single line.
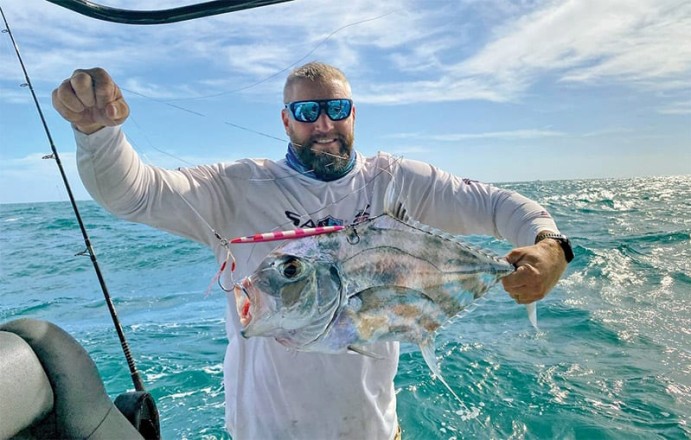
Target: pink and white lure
[(268, 236), (286, 235)]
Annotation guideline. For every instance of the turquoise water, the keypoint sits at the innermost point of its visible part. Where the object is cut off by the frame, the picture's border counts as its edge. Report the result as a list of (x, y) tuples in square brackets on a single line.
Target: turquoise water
[(612, 358)]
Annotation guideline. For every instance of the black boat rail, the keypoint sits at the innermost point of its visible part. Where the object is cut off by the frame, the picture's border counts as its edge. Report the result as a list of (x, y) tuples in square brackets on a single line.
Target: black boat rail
[(161, 16)]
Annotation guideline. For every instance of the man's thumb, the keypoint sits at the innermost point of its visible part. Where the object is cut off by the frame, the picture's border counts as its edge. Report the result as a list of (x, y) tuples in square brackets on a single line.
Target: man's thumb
[(117, 111)]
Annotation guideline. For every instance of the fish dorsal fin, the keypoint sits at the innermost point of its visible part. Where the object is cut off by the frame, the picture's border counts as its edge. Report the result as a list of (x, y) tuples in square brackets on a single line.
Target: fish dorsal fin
[(392, 206), (397, 209)]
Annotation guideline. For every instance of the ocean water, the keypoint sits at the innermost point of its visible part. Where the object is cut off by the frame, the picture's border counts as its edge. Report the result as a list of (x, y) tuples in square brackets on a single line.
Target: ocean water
[(611, 360)]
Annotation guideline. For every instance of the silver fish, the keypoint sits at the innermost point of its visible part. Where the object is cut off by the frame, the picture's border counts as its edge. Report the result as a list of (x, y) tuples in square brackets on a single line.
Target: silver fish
[(385, 279)]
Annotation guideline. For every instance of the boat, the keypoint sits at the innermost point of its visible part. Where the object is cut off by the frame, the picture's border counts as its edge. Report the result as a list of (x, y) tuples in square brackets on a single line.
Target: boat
[(51, 388)]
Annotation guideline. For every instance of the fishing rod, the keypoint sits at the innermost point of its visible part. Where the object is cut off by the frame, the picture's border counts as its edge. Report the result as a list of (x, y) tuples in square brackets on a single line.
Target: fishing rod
[(134, 373), (160, 16)]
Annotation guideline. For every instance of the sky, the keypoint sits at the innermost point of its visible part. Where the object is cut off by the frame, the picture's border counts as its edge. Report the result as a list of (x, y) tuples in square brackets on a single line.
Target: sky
[(493, 90)]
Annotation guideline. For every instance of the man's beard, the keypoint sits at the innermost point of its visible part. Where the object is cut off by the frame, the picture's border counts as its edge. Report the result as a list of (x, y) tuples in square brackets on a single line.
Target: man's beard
[(325, 165)]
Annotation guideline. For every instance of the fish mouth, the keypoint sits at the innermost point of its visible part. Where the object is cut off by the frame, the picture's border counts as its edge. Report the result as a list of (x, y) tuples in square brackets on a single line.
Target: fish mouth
[(243, 302), (254, 310)]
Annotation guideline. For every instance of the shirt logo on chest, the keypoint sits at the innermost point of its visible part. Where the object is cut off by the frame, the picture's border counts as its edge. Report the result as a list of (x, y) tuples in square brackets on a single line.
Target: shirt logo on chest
[(300, 222)]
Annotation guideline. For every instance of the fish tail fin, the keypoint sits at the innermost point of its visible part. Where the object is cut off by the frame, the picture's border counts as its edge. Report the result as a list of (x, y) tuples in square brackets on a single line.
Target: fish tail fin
[(532, 313)]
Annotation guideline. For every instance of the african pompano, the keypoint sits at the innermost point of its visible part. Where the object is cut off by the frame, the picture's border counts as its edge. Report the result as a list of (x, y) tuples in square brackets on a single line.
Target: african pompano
[(385, 279)]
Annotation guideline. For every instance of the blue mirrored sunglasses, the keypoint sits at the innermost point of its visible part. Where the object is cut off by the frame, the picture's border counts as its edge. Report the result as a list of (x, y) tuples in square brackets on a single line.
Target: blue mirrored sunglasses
[(309, 111)]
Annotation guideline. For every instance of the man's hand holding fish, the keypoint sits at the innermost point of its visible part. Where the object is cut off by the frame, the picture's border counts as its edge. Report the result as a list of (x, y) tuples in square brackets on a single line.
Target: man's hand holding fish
[(538, 269)]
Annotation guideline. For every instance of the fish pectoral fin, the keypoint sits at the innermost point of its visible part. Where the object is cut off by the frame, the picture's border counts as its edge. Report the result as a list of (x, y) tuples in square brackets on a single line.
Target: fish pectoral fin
[(392, 206), (359, 350)]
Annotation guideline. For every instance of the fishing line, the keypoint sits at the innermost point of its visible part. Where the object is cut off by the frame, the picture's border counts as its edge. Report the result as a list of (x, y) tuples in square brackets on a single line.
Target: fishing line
[(275, 74), (308, 215), (203, 115), (284, 235), (170, 103), (250, 130), (223, 241), (151, 145), (134, 373)]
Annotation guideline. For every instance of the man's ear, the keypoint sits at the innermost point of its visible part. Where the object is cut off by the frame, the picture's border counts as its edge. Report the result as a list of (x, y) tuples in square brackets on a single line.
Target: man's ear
[(285, 117)]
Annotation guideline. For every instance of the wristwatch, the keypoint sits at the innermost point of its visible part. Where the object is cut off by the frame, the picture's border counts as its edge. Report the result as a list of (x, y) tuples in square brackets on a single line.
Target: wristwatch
[(563, 241)]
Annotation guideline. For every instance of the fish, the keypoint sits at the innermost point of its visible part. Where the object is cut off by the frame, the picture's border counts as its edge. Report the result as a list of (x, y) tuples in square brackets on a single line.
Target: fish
[(387, 278)]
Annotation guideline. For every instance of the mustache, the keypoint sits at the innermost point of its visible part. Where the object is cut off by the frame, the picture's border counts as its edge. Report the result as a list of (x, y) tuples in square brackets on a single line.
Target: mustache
[(313, 140)]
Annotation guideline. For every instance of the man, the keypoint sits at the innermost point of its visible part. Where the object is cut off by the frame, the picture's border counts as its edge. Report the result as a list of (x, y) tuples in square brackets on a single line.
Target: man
[(273, 392)]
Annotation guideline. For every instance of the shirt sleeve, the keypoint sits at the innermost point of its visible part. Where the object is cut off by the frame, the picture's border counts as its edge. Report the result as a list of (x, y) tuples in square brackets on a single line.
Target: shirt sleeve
[(464, 206), (184, 201)]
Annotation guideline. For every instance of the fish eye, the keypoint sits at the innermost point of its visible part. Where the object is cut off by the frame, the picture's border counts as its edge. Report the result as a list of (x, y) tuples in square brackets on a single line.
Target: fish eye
[(291, 268)]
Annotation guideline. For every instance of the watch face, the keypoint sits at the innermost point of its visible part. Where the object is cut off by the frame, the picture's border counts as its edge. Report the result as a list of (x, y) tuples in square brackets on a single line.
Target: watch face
[(566, 246)]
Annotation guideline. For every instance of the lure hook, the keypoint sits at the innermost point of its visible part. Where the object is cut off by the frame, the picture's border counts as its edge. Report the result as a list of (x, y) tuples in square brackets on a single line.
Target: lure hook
[(353, 237)]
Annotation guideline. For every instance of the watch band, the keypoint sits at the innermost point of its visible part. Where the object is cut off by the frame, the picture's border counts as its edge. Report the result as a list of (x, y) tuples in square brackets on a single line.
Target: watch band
[(563, 241)]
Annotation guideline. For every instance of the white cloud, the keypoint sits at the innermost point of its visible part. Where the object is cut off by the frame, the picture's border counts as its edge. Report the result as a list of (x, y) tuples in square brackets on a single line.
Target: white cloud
[(407, 51), (608, 132), (498, 135), (495, 135), (409, 150), (404, 135), (588, 40), (676, 108), (17, 95), (32, 179), (635, 43), (140, 86), (395, 53)]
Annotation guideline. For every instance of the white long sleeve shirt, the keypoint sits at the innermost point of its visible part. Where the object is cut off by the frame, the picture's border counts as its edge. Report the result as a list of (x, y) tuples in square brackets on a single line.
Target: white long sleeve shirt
[(273, 392)]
